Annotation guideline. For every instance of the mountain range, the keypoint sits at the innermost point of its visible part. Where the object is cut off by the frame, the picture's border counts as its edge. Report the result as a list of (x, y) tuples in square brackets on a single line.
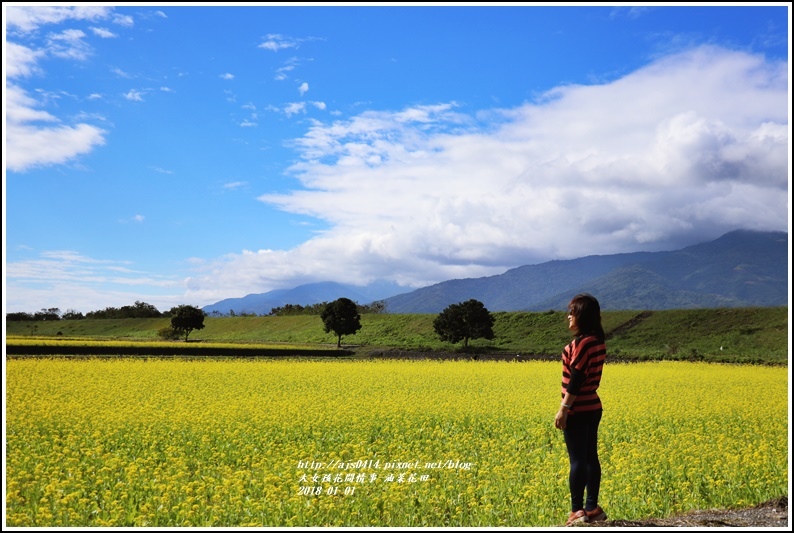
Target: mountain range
[(742, 268), (309, 294)]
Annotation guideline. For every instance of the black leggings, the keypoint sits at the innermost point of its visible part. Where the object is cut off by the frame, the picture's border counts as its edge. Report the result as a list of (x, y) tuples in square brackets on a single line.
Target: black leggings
[(581, 439)]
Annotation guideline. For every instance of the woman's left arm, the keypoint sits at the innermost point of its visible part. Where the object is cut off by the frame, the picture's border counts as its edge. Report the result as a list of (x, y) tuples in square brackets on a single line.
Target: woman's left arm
[(561, 420)]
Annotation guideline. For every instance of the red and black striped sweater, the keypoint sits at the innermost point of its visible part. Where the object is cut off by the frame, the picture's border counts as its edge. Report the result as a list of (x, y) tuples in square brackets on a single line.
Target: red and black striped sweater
[(582, 363)]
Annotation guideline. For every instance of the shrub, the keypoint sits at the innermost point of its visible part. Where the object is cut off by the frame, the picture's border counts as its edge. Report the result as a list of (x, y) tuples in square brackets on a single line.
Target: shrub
[(168, 333)]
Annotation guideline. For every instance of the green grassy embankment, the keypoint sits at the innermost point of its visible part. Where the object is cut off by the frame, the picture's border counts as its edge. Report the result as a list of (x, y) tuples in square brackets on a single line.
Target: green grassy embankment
[(758, 335)]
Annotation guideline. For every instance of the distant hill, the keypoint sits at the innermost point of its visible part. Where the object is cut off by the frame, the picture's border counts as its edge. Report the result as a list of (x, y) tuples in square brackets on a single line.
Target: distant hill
[(309, 294), (757, 335), (740, 269)]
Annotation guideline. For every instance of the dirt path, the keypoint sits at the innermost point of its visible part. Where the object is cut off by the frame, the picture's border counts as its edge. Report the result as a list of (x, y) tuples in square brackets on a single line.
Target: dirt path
[(773, 513)]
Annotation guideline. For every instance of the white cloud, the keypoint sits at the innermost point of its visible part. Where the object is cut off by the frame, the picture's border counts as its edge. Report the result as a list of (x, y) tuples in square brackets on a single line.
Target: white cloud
[(276, 42), (20, 108), (303, 88), (69, 280), (650, 161), (103, 32), (289, 65), (227, 76), (30, 147), (134, 95), (294, 108), (21, 61), (30, 144), (281, 72), (632, 12), (123, 20), (68, 44), (120, 73), (30, 18)]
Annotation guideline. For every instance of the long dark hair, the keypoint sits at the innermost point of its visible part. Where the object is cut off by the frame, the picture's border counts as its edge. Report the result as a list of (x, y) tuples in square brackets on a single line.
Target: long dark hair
[(587, 312)]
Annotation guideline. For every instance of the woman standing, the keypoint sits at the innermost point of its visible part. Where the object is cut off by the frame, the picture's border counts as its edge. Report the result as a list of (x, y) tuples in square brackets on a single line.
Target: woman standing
[(580, 410)]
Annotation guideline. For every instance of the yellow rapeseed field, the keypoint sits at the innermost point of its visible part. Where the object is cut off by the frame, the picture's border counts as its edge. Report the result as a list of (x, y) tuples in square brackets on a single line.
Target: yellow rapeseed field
[(380, 443), (93, 343)]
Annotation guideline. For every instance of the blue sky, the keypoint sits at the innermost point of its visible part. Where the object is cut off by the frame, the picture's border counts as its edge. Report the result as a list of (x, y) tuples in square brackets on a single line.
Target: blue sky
[(183, 155)]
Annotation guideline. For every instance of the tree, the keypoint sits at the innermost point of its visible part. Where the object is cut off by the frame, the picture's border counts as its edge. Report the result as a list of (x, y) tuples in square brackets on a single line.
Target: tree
[(464, 321), (19, 317), (142, 310), (186, 318), (71, 314), (375, 308), (341, 316), (52, 313)]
